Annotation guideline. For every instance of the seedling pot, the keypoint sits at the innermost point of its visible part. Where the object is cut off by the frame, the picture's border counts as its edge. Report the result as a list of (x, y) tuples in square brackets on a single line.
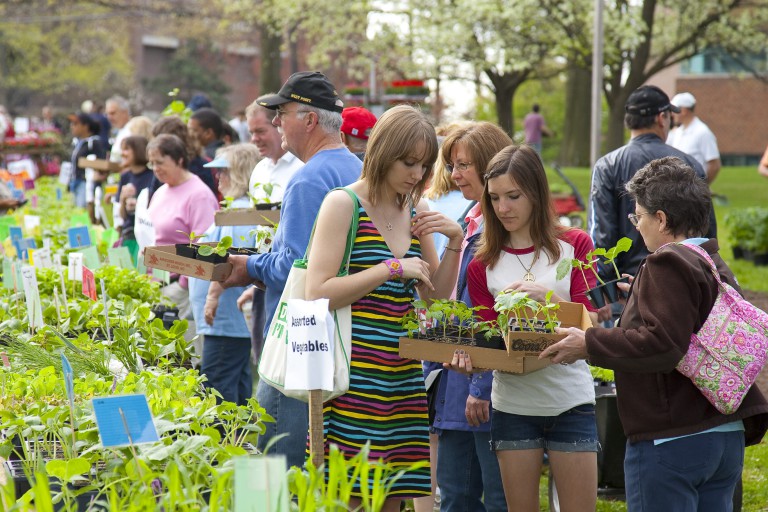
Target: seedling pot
[(212, 258), (186, 251), (596, 296)]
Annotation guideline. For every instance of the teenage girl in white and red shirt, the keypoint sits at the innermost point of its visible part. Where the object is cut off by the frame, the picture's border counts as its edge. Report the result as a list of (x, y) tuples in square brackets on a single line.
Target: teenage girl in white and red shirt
[(552, 408)]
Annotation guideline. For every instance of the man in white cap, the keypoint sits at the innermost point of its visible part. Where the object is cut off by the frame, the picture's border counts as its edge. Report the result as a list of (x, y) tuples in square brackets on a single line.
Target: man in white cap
[(694, 137)]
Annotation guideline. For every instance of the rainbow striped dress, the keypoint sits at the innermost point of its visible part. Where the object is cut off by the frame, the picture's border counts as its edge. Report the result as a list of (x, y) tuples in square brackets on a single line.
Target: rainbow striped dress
[(386, 402)]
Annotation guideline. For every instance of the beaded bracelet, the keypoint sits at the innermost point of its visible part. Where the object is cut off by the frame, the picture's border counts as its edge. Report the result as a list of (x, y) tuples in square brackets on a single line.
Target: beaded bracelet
[(395, 268)]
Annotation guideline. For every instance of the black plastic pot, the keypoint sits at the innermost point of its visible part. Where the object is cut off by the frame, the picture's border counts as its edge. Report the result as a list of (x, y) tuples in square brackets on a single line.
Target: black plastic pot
[(20, 482), (86, 501), (738, 252), (607, 293), (268, 206), (610, 457), (596, 297), (495, 342), (760, 258), (186, 251), (212, 258)]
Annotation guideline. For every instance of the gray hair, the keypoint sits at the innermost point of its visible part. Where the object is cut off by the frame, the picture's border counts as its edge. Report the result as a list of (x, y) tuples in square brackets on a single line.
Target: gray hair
[(255, 109), (121, 103), (330, 122)]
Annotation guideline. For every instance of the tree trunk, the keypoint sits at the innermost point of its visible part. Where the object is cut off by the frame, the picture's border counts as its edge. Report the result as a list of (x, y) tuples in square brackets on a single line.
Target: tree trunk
[(269, 75), (574, 148), (615, 136), (504, 102)]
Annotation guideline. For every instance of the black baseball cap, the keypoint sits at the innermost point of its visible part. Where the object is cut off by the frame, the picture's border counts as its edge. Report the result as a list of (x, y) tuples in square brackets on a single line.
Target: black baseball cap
[(648, 100), (308, 87)]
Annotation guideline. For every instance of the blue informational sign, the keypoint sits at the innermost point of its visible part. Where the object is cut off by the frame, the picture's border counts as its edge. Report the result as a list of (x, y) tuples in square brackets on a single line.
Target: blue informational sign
[(124, 420)]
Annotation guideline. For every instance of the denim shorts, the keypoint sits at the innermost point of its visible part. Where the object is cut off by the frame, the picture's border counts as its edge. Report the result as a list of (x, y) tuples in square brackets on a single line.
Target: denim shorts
[(574, 430)]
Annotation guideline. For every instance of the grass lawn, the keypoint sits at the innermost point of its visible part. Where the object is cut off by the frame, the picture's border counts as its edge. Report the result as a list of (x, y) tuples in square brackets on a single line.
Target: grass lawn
[(742, 187)]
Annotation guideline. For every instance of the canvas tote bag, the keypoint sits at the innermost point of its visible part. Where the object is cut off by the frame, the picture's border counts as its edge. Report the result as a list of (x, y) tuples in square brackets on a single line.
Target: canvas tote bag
[(272, 365), (729, 350)]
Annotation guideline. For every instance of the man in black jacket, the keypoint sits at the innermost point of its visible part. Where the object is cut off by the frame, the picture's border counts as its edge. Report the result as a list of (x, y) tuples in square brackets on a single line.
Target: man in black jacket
[(648, 116)]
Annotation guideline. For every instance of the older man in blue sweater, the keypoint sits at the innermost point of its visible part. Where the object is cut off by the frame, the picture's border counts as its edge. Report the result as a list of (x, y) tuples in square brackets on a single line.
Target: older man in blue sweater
[(308, 118)]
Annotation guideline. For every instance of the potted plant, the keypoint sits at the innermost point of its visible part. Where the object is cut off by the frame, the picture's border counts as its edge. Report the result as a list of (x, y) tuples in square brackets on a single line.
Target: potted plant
[(215, 254), (605, 289), (188, 250), (264, 200)]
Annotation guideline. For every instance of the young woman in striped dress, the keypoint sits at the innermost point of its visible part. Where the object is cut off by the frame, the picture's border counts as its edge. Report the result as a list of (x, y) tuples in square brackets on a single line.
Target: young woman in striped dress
[(393, 257)]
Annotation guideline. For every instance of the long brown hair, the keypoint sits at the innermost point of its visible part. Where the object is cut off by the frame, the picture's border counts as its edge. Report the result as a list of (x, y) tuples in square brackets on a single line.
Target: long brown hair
[(397, 136), (523, 165)]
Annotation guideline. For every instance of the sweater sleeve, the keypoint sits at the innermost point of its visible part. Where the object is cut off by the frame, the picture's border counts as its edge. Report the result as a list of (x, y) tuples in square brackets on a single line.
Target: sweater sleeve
[(582, 244), (663, 312), (301, 202), (477, 283)]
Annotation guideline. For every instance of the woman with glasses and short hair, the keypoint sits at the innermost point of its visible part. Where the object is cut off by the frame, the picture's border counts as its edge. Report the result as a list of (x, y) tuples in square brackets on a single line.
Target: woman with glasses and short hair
[(682, 453)]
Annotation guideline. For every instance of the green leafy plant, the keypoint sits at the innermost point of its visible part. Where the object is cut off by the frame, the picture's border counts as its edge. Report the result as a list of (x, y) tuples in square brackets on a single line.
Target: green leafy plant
[(191, 236), (313, 493), (267, 190), (609, 255), (221, 247)]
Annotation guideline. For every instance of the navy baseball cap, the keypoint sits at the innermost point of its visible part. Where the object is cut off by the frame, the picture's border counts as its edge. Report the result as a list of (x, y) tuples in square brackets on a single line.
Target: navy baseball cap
[(308, 87), (648, 100)]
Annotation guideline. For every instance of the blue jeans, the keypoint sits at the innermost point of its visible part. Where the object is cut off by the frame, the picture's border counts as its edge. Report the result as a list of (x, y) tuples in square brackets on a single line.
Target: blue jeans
[(227, 365), (691, 474), (291, 417), (77, 187), (467, 472)]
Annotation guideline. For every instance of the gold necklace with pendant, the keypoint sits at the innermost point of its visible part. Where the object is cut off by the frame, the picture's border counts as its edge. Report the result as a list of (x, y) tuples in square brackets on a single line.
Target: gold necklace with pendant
[(528, 276)]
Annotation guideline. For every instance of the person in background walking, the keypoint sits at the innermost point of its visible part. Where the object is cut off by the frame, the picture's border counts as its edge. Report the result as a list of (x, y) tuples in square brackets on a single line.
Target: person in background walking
[(535, 128)]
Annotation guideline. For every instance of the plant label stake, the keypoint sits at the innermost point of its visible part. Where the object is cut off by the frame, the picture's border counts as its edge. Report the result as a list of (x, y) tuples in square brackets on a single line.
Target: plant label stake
[(75, 269), (130, 442), (69, 384), (32, 295), (261, 484), (6, 361), (89, 284), (106, 308), (63, 287), (56, 305)]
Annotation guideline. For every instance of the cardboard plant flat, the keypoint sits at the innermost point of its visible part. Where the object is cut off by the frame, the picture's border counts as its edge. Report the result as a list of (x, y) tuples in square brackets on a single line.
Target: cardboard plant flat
[(523, 348), (248, 216), (98, 165), (164, 257)]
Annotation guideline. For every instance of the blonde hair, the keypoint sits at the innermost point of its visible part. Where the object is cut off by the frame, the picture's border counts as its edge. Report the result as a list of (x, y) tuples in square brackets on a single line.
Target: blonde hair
[(397, 136), (442, 182), (242, 159), (140, 126)]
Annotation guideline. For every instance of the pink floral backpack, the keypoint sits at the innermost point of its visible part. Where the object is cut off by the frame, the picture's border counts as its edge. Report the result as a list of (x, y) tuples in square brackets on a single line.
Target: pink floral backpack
[(729, 350)]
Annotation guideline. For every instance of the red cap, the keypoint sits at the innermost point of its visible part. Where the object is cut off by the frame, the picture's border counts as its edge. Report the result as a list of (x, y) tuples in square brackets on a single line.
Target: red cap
[(357, 122)]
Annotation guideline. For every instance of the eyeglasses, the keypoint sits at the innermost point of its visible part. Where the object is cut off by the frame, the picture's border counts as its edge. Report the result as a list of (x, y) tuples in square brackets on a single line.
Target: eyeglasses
[(461, 166), (282, 113), (633, 217)]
